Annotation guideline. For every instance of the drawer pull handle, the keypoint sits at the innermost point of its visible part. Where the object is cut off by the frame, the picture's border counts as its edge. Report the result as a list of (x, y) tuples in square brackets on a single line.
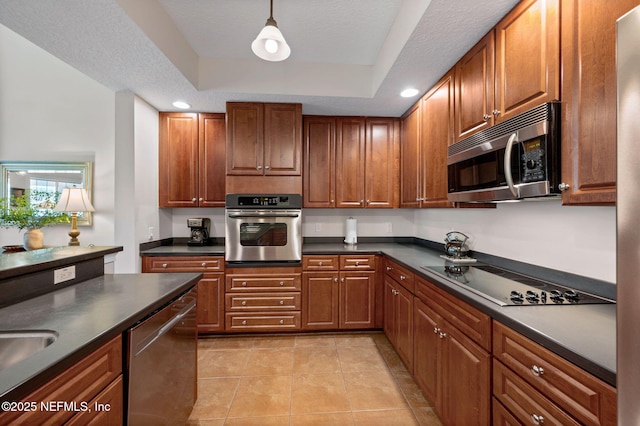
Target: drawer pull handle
[(320, 263), (537, 419), (244, 283), (281, 283), (164, 265), (244, 303), (282, 302), (244, 322), (204, 264), (402, 278), (436, 330), (357, 263), (389, 268), (537, 371), (281, 321)]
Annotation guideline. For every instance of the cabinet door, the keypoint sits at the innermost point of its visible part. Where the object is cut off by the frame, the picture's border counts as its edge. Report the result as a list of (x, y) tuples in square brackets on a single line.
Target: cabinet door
[(410, 164), (319, 178), (589, 98), (178, 160), (404, 326), (389, 323), (212, 144), (210, 303), (527, 58), (357, 299), (427, 362), (245, 138), (320, 300), (466, 379), (437, 133), (474, 89), (350, 151), (381, 162), (283, 139)]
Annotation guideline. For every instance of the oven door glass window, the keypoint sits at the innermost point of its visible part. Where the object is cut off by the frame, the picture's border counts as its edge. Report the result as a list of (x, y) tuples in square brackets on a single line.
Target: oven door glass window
[(260, 234)]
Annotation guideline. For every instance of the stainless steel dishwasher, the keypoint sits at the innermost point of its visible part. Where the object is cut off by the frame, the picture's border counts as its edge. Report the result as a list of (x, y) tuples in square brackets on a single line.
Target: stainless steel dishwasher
[(162, 365)]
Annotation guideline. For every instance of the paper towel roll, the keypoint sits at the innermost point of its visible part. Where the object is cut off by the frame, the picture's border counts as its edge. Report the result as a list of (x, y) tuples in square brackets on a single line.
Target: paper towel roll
[(351, 234)]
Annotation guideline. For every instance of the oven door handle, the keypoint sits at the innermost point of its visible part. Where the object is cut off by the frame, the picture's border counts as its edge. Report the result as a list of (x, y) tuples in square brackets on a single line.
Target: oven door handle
[(507, 165), (258, 216)]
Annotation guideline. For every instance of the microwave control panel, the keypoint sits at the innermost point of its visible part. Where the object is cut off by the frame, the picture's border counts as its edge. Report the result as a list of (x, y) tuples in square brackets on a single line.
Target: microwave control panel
[(533, 160)]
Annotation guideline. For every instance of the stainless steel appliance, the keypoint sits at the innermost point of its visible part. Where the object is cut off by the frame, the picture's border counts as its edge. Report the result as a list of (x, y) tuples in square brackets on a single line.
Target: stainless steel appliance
[(516, 159), (628, 205), (162, 365), (508, 288), (200, 230), (263, 228)]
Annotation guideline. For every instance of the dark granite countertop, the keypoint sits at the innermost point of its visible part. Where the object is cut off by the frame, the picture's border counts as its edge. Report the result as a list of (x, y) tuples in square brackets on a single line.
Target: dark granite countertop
[(583, 334), (85, 316)]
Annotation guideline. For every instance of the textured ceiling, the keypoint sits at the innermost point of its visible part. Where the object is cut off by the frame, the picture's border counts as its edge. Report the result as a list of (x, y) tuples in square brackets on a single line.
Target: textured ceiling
[(349, 57)]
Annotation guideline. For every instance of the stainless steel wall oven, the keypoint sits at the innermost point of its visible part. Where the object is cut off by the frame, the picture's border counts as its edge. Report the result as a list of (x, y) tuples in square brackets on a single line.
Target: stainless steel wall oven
[(263, 228)]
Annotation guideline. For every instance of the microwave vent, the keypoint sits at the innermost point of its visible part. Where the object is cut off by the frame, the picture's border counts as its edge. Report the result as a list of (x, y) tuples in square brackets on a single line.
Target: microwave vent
[(534, 116)]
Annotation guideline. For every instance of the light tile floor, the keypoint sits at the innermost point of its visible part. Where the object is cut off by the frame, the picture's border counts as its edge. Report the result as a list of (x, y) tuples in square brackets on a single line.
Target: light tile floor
[(320, 379)]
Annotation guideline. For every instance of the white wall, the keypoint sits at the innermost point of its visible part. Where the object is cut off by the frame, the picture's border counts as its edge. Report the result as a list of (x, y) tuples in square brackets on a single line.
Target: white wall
[(51, 112), (580, 240)]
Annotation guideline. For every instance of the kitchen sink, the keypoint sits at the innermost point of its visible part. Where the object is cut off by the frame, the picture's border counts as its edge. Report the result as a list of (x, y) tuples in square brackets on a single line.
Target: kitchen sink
[(17, 345)]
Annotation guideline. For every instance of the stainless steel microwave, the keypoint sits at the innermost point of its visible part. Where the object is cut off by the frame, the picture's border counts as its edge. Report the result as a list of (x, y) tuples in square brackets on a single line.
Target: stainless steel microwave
[(514, 160)]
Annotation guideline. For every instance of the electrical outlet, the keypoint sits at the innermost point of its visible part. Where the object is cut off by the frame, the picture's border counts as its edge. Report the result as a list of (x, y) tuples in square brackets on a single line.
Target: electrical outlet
[(150, 237), (64, 274)]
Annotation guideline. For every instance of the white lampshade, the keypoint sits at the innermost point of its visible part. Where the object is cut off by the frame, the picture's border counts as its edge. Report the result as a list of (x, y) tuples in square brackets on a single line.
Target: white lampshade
[(270, 44), (74, 200)]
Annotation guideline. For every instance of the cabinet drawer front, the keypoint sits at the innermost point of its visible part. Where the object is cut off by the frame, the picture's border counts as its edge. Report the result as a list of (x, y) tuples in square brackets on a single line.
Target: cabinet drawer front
[(183, 264), (263, 302), (582, 395), (464, 317), (524, 402), (320, 263), (263, 321), (360, 263), (400, 274), (263, 283)]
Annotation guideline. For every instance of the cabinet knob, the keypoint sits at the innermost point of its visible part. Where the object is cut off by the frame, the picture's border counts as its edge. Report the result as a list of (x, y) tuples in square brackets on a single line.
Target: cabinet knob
[(266, 167), (333, 201), (537, 371), (244, 284), (244, 303), (281, 283), (201, 199), (281, 321), (193, 200), (395, 292), (282, 302), (563, 186), (361, 201), (402, 278), (496, 112), (342, 279), (389, 268), (537, 419), (204, 264), (442, 335), (258, 167), (436, 330), (320, 263), (244, 322), (164, 265), (486, 117), (335, 280), (357, 263)]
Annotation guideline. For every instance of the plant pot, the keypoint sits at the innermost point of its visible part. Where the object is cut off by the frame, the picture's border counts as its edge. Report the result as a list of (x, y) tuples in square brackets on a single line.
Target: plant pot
[(33, 239)]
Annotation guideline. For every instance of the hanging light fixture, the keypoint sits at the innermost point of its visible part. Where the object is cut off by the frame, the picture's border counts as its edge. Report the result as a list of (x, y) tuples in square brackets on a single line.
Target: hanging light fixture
[(270, 44)]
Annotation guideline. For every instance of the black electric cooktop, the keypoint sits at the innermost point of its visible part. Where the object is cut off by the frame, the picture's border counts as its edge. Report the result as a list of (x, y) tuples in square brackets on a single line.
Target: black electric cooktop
[(508, 288)]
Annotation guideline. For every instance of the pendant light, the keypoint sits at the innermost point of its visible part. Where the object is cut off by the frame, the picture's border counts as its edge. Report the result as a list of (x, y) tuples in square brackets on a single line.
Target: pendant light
[(270, 44)]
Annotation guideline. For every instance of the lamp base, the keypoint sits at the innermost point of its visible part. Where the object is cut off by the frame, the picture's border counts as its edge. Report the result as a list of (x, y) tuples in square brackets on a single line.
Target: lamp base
[(73, 233)]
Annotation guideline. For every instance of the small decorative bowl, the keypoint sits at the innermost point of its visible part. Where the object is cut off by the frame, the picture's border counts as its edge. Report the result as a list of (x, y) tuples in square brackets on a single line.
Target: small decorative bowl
[(12, 249)]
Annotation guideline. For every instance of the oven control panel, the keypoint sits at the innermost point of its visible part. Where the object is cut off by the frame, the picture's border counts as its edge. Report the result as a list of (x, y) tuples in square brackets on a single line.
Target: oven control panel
[(278, 201)]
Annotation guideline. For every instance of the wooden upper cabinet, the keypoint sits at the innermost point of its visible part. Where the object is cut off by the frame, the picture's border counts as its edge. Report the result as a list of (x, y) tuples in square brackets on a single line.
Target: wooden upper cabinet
[(319, 180), (410, 164), (191, 159), (350, 151), (474, 87), (527, 44), (381, 162), (589, 99), (264, 139), (436, 134)]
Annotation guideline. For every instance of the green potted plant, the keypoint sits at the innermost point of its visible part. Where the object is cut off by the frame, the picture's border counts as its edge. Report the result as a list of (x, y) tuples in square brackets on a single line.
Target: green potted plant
[(32, 211)]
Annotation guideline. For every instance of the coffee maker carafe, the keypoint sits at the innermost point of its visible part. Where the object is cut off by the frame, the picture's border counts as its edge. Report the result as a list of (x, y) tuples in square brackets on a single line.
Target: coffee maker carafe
[(200, 229)]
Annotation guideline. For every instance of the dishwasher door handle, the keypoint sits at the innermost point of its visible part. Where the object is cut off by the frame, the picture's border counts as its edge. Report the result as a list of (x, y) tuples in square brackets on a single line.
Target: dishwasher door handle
[(148, 341)]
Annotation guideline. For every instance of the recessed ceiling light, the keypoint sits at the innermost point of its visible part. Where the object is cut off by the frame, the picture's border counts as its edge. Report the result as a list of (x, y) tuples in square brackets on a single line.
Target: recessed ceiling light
[(409, 93), (181, 105)]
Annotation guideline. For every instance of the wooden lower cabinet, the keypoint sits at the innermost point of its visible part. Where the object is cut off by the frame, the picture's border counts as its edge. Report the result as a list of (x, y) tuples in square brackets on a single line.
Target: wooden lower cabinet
[(453, 371), (263, 299), (398, 314), (95, 379), (210, 303), (339, 292)]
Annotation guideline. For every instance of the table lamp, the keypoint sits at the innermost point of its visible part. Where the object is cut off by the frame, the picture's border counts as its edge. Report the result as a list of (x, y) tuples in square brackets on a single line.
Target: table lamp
[(74, 200)]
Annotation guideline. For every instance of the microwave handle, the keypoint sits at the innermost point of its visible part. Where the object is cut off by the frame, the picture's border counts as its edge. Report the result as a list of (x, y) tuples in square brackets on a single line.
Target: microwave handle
[(507, 165)]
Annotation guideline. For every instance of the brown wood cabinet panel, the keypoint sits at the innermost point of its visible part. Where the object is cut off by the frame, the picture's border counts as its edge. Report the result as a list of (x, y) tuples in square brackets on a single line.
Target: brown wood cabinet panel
[(212, 154), (501, 416), (400, 274), (264, 281), (582, 395), (245, 138), (410, 164), (398, 320), (474, 74), (203, 264), (320, 301), (285, 321), (178, 156), (427, 362), (81, 382), (524, 401), (111, 403), (357, 299), (527, 58), (283, 139), (350, 152), (589, 93), (362, 262), (320, 263), (381, 162), (266, 302), (319, 179)]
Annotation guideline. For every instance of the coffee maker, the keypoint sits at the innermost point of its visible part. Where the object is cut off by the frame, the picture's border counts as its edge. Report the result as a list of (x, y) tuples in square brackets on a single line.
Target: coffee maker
[(200, 229)]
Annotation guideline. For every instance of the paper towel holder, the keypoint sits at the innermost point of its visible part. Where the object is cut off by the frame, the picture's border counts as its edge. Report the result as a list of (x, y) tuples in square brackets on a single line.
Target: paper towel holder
[(351, 235)]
